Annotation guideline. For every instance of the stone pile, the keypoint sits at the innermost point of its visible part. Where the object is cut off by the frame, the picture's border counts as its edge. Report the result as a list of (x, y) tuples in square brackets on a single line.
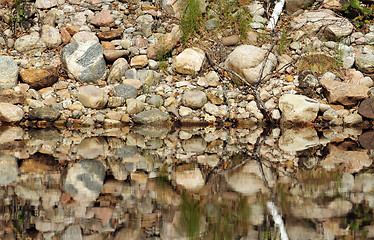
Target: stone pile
[(112, 63)]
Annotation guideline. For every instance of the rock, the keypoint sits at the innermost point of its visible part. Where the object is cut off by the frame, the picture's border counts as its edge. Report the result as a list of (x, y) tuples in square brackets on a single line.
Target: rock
[(298, 108), (84, 180), (352, 119), (45, 4), (92, 148), (30, 44), (190, 179), (51, 36), (247, 61), (246, 183), (125, 91), (102, 19), (117, 71), (134, 106), (139, 61), (84, 61), (173, 8), (366, 140), (294, 5), (8, 169), (45, 113), (344, 93), (151, 117), (366, 108), (10, 112), (110, 35), (84, 37), (336, 208), (65, 36), (194, 99), (230, 40), (365, 63), (108, 45), (298, 139), (350, 160), (92, 97), (10, 134), (73, 232), (221, 111), (40, 78), (195, 144), (212, 24), (332, 27), (112, 55), (189, 61), (128, 233), (156, 101), (8, 72)]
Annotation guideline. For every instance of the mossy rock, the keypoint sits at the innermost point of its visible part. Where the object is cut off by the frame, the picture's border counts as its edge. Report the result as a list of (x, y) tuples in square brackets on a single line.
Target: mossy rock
[(318, 63)]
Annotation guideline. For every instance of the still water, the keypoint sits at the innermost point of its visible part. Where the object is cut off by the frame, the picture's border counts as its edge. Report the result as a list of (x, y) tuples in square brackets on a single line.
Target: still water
[(187, 183)]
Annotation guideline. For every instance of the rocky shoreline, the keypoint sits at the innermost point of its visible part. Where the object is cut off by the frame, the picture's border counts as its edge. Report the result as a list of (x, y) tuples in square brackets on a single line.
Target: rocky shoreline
[(109, 64)]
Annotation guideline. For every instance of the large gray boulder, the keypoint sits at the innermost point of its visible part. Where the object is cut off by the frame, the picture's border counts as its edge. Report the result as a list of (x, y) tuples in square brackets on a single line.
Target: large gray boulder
[(84, 61), (247, 61), (8, 72)]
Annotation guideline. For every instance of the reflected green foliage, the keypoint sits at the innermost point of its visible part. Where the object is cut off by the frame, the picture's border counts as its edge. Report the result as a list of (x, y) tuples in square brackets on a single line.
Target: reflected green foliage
[(360, 217), (191, 217)]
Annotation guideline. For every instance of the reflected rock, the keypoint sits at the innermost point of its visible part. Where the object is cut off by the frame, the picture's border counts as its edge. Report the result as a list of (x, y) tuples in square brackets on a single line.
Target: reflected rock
[(48, 226), (364, 182), (367, 140), (257, 216), (151, 131), (84, 180), (50, 198), (38, 163), (45, 134), (350, 160), (298, 139), (73, 232), (8, 169), (10, 134), (336, 208), (128, 234), (91, 148), (126, 152), (189, 179), (195, 144), (118, 169), (246, 183), (302, 231)]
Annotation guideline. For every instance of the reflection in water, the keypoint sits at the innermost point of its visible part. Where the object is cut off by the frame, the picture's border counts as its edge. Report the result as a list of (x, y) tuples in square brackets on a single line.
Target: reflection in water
[(192, 183)]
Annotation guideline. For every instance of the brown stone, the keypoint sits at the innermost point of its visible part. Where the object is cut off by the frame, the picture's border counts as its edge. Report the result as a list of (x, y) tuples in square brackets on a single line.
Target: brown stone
[(13, 97), (103, 213), (110, 35), (103, 18), (139, 61), (65, 36), (141, 42), (38, 163), (112, 55), (108, 46), (214, 99), (147, 7), (230, 40), (73, 30), (165, 44), (366, 140), (40, 78), (344, 93), (366, 108)]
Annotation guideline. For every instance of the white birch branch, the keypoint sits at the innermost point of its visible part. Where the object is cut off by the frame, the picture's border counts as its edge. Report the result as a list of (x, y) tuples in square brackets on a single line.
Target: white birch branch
[(276, 13)]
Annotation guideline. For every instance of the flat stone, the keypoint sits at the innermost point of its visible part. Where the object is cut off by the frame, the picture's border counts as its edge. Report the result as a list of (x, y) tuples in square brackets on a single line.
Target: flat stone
[(84, 61), (112, 55), (8, 72), (39, 78), (344, 93), (134, 106), (298, 139), (45, 113), (45, 4), (230, 40), (125, 91), (189, 61), (10, 112), (366, 108), (84, 37), (298, 108), (110, 35), (190, 179), (73, 232), (165, 44), (152, 117), (92, 97), (13, 97)]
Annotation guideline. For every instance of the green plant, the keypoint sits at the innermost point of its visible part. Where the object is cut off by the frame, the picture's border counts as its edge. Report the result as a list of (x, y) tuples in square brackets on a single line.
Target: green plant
[(359, 14), (284, 42), (244, 20), (190, 217), (191, 19)]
